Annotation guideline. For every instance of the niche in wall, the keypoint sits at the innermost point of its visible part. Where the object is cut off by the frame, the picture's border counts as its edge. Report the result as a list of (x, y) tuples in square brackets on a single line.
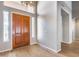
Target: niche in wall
[(65, 26)]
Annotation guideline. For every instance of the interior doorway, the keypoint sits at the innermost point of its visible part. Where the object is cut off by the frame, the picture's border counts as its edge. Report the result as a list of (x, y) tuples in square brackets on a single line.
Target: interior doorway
[(65, 26), (77, 28), (20, 30)]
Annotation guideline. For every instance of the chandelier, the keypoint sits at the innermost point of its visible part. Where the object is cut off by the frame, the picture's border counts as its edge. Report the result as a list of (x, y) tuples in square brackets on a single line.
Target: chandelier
[(29, 3)]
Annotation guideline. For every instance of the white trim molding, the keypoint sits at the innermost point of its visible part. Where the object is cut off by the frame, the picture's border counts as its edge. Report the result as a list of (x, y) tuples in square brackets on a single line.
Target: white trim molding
[(56, 51), (66, 42), (5, 50)]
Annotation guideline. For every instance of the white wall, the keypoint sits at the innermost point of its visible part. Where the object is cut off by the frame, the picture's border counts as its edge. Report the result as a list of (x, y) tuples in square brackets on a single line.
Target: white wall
[(47, 24)]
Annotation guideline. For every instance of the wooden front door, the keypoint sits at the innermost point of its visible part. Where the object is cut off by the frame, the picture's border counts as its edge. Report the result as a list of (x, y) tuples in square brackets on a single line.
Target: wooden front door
[(20, 30)]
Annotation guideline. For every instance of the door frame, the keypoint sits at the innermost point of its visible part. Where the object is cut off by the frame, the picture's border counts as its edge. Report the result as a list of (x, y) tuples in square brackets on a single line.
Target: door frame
[(11, 13)]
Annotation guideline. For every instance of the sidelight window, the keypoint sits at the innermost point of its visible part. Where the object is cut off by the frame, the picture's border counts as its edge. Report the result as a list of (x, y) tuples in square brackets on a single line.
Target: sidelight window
[(5, 26)]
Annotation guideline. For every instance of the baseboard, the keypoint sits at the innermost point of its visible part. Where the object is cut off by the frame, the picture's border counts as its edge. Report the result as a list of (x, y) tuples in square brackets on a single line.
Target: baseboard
[(49, 48), (58, 50), (5, 50), (66, 42), (33, 43)]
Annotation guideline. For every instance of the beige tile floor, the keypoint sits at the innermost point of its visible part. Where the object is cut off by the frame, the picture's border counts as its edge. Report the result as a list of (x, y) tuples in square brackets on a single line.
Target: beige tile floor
[(30, 51), (70, 50)]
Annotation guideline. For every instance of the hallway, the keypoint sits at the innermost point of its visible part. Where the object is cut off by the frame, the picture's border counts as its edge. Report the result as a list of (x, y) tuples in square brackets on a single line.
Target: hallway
[(71, 50)]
